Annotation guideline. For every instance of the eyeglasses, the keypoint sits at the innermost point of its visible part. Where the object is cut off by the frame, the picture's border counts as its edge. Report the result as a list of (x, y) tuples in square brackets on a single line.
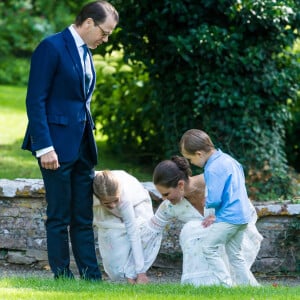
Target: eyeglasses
[(104, 33)]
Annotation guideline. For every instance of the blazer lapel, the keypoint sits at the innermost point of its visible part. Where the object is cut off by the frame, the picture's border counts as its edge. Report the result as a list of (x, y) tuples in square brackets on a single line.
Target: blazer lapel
[(73, 51)]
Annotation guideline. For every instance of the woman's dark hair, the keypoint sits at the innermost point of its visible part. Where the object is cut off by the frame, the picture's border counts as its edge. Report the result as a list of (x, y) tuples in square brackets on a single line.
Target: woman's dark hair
[(168, 172), (98, 11)]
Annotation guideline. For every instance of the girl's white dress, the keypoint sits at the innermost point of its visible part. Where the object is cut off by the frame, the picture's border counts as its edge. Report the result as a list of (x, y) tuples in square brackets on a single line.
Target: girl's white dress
[(130, 237), (119, 230)]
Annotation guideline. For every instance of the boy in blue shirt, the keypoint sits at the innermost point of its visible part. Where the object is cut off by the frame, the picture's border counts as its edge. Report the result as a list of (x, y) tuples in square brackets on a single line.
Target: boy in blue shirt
[(226, 193)]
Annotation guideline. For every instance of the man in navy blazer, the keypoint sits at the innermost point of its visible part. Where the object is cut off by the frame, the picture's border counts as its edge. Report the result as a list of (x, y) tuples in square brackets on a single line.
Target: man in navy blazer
[(60, 134)]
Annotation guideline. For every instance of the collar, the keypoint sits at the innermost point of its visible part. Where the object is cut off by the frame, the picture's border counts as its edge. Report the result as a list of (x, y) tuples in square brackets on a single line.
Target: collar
[(77, 38), (213, 157)]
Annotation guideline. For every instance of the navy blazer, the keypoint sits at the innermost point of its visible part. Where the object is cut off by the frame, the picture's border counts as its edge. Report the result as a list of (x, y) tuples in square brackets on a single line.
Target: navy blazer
[(57, 107)]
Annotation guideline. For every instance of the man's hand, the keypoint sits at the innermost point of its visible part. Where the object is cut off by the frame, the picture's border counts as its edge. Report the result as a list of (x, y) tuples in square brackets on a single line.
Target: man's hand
[(208, 221), (50, 161)]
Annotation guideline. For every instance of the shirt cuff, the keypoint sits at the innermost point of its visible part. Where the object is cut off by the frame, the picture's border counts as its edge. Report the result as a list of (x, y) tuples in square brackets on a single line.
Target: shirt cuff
[(43, 151)]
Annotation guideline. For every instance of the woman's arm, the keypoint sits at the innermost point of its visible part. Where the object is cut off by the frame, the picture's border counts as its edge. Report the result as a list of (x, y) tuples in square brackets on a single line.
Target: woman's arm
[(163, 215)]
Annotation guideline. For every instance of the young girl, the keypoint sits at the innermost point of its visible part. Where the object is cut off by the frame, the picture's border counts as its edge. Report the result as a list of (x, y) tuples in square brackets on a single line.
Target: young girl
[(122, 206)]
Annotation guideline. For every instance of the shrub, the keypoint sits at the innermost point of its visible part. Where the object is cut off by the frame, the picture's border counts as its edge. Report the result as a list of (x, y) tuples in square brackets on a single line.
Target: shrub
[(123, 106), (223, 66), (14, 71)]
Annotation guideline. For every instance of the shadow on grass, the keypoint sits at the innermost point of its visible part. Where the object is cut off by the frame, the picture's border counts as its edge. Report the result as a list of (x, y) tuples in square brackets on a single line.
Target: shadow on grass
[(17, 163), (13, 98)]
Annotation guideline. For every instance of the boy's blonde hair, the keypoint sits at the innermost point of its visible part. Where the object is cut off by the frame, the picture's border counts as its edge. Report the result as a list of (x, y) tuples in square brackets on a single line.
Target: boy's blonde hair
[(195, 140)]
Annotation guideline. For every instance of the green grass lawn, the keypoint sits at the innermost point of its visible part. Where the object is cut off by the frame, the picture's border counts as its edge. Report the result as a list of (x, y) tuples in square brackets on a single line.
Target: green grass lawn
[(44, 289), (17, 163)]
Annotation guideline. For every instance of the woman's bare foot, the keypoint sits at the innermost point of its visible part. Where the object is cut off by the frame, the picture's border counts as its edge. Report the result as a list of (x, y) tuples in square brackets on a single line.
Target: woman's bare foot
[(131, 281), (142, 278)]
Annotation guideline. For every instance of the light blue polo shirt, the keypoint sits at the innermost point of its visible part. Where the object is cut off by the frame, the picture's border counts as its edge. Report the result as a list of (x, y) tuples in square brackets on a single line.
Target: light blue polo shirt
[(226, 189)]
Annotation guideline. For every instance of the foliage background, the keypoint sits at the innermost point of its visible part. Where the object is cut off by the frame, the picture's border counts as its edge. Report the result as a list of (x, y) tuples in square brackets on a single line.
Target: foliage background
[(229, 67)]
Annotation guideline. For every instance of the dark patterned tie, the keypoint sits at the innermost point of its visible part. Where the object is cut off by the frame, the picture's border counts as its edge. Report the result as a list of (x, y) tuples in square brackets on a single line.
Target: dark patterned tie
[(87, 78)]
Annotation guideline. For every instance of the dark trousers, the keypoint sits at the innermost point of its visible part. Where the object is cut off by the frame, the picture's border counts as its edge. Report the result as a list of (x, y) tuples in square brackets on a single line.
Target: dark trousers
[(70, 213)]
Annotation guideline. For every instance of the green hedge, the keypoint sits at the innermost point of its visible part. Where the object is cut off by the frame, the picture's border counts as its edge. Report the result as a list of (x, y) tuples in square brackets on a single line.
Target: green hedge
[(223, 66), (14, 71)]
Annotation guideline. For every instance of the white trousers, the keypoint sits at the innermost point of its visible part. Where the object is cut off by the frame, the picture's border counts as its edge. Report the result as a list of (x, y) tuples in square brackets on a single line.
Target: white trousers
[(230, 236)]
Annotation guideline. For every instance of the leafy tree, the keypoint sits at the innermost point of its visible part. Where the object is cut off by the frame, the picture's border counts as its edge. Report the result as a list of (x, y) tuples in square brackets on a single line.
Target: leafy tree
[(24, 24), (224, 66), (122, 98), (293, 126), (27, 22)]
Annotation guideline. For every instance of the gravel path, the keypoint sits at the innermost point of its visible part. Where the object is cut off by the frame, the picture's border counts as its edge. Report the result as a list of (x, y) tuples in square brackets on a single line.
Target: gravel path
[(156, 275)]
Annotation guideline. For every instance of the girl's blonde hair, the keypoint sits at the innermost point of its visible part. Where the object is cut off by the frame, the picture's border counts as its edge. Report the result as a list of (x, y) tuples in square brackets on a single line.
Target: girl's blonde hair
[(105, 185)]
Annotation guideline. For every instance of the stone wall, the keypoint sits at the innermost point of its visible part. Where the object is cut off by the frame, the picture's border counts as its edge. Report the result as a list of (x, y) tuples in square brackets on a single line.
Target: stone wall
[(23, 237)]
